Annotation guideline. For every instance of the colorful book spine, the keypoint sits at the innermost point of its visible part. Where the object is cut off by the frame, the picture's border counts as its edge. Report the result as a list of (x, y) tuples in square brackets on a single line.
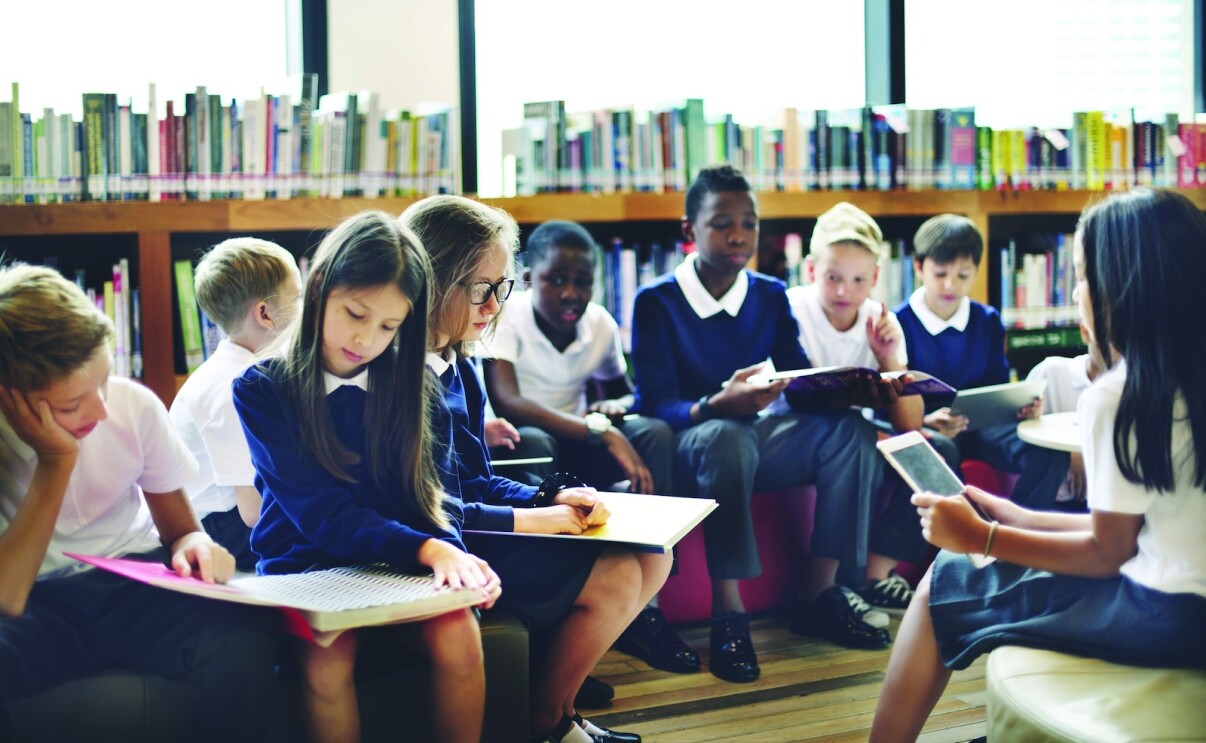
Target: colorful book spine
[(190, 315)]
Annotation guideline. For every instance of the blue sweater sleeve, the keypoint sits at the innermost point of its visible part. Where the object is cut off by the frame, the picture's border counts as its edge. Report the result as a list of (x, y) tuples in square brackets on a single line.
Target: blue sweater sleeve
[(303, 498), (654, 364), (998, 364)]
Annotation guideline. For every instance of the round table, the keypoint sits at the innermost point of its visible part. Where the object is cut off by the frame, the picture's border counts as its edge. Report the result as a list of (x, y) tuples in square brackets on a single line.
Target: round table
[(1052, 431)]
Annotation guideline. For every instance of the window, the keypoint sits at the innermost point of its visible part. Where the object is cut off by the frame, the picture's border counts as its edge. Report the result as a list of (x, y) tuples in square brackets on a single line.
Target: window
[(233, 47), (1034, 62), (752, 60)]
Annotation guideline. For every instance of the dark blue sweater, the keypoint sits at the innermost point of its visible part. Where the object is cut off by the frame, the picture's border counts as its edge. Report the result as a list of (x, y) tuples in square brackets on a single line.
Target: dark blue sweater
[(974, 357), (463, 460), (678, 357), (309, 518)]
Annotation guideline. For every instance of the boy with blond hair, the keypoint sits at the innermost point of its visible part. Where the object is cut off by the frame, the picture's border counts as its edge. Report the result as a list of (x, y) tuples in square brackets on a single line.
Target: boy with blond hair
[(250, 288), (840, 325)]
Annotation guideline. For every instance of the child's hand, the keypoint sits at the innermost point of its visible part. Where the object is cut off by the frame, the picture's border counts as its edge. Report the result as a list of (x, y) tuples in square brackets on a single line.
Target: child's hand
[(613, 409), (884, 339), (1031, 411), (457, 569), (945, 423), (588, 503), (1000, 509), (37, 426), (950, 523), (874, 393), (740, 399), (196, 552), (629, 461), (500, 432)]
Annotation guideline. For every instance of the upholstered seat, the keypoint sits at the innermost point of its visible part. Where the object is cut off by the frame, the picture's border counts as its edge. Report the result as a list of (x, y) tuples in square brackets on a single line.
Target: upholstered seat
[(1040, 695)]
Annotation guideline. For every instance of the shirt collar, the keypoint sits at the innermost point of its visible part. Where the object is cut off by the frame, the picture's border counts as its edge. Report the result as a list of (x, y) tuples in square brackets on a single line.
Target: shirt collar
[(934, 324), (333, 382), (704, 304), (439, 364)]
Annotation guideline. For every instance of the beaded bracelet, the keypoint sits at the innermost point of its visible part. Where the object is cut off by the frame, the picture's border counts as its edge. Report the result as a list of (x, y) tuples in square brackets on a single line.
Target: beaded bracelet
[(992, 534)]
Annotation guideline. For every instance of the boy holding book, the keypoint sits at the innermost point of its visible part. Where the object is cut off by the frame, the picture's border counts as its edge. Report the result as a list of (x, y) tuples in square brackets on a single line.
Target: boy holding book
[(840, 325), (90, 464), (250, 288), (962, 342), (699, 334)]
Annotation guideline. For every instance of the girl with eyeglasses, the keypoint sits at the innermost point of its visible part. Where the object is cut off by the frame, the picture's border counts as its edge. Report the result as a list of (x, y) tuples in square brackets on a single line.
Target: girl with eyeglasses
[(580, 595)]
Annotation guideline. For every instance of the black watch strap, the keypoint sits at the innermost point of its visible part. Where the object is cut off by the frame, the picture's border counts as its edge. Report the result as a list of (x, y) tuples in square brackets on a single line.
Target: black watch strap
[(553, 484), (706, 411)]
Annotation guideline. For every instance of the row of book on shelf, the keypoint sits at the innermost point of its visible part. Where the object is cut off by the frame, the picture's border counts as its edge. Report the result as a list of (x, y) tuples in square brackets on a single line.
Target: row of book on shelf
[(116, 297), (205, 147), (1037, 283), (884, 147)]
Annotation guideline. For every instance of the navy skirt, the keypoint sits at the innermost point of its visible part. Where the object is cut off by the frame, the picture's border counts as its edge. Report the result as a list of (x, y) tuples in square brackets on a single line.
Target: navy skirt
[(541, 578), (1115, 619)]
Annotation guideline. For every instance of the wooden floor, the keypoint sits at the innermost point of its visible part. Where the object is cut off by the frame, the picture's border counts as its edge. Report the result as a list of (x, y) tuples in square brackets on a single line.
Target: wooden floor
[(809, 691)]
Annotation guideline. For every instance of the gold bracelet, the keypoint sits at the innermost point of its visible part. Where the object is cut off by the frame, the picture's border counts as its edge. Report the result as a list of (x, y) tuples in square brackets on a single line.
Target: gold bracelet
[(992, 534)]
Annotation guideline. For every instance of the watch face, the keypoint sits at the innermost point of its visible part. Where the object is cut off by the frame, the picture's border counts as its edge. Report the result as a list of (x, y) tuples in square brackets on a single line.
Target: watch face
[(597, 423)]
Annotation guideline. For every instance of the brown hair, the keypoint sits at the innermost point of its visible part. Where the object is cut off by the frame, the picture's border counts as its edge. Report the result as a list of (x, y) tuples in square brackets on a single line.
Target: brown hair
[(48, 327), (458, 233)]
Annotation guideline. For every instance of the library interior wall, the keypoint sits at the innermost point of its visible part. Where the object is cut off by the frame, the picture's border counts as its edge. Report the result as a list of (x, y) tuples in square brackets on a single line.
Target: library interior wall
[(406, 50)]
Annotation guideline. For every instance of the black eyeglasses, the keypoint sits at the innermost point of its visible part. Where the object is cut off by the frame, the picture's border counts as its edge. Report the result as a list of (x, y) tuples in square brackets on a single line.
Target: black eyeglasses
[(479, 293)]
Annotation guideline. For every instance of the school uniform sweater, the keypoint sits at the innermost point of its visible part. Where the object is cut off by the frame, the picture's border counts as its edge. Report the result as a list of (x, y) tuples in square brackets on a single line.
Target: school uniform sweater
[(678, 356), (964, 359)]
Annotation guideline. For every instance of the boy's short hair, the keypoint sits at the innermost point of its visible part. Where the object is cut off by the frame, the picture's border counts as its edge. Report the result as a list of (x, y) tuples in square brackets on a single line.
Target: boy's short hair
[(237, 273), (946, 238), (558, 233), (846, 223), (48, 327), (713, 179)]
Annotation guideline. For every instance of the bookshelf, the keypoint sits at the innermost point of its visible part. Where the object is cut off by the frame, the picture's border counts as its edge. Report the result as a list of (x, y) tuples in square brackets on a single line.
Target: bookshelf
[(147, 230)]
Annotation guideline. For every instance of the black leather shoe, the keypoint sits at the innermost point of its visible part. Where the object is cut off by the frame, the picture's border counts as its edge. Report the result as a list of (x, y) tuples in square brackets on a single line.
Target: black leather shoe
[(594, 694), (733, 656), (605, 735), (651, 638), (830, 617)]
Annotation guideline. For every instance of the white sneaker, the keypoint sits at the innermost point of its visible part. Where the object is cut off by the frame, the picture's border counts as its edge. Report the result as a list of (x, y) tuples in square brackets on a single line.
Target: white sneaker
[(865, 611)]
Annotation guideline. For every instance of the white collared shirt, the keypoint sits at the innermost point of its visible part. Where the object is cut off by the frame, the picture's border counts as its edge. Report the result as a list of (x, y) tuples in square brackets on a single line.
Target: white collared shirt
[(551, 377), (702, 301), (934, 324), (204, 415), (828, 346), (439, 364), (332, 382), (134, 450)]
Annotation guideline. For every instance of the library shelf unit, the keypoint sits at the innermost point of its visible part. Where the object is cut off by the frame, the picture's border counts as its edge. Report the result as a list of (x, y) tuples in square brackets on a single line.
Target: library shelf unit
[(147, 230)]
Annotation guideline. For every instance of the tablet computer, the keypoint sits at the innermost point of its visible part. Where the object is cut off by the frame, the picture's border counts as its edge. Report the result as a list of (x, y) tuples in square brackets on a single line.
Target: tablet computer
[(924, 469), (996, 403)]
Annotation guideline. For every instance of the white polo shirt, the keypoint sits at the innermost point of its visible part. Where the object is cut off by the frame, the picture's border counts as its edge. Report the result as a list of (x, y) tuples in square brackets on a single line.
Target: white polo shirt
[(1066, 380), (1170, 557), (204, 416), (551, 377), (828, 346), (135, 449)]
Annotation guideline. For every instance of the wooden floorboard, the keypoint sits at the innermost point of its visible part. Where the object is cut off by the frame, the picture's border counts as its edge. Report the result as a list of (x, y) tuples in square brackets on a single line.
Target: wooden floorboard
[(809, 691)]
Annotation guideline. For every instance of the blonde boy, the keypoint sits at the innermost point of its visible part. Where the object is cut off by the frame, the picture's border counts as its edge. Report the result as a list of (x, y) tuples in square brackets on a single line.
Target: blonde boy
[(250, 288), (840, 325)]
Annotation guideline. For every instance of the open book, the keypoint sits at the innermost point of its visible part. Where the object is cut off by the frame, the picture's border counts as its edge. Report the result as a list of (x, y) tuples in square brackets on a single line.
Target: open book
[(996, 403), (822, 380), (317, 605), (654, 523)]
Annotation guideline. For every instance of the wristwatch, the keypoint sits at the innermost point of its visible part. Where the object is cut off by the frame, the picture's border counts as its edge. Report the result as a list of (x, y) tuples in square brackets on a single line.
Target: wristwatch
[(706, 411), (597, 424)]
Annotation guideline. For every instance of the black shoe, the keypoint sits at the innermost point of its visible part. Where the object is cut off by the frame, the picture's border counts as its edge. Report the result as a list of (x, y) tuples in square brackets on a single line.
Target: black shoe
[(733, 656), (830, 617), (594, 694), (605, 735), (558, 733), (651, 638)]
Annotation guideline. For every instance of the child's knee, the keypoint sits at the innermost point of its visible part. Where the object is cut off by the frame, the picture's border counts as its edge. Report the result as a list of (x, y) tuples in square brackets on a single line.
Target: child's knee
[(454, 642)]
